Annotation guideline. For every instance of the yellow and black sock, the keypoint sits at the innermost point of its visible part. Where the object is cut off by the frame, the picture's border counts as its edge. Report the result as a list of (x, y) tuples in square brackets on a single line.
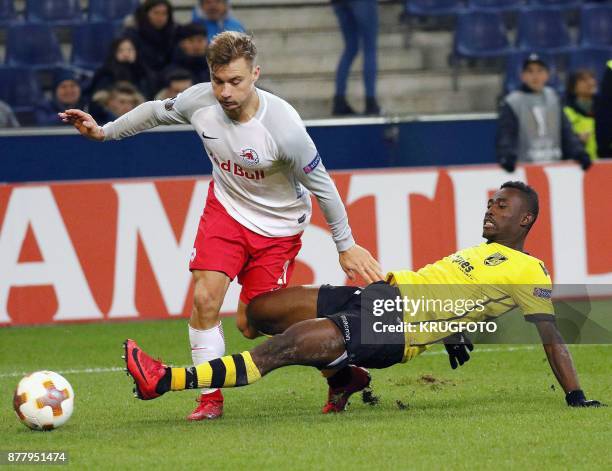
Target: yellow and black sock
[(227, 372)]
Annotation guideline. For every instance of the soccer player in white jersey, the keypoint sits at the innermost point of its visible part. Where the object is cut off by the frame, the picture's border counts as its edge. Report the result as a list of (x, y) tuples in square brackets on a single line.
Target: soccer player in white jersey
[(258, 205)]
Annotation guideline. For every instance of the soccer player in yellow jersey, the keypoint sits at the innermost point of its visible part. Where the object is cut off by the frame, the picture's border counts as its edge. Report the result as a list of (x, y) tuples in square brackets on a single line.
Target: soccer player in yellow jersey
[(343, 330)]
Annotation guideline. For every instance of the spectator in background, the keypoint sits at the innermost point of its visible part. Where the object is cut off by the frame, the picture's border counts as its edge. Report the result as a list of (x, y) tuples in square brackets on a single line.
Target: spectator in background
[(123, 65), (177, 81), (153, 33), (532, 126), (603, 114), (358, 20), (580, 93), (190, 52), (67, 94), (108, 105), (216, 17), (7, 117)]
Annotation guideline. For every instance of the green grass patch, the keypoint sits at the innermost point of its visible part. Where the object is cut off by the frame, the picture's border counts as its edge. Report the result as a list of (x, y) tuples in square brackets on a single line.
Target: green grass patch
[(503, 409)]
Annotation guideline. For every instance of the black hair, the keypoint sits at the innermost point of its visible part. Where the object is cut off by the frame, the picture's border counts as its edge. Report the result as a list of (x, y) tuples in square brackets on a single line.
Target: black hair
[(114, 45), (176, 73), (572, 79), (141, 14), (529, 195)]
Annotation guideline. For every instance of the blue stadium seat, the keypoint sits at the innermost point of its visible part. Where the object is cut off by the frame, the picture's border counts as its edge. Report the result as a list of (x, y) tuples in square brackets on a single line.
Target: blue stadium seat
[(90, 43), (111, 10), (564, 4), (480, 34), (514, 67), (596, 25), (7, 12), (19, 88), (33, 45), (433, 7), (543, 29), (496, 5), (54, 12), (594, 59)]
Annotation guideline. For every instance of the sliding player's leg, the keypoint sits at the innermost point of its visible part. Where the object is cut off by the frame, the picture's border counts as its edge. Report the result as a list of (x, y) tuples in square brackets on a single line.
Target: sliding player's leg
[(274, 312), (269, 269), (315, 342)]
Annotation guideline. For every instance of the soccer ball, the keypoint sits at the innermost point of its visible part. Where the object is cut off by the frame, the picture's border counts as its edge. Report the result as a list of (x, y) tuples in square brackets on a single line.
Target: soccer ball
[(43, 400)]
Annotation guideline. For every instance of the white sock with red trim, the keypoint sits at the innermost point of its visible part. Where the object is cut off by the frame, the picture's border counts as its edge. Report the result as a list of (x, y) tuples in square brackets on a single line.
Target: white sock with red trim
[(206, 345)]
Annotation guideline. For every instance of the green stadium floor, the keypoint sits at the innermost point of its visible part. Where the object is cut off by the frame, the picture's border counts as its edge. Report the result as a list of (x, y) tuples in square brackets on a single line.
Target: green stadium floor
[(503, 409)]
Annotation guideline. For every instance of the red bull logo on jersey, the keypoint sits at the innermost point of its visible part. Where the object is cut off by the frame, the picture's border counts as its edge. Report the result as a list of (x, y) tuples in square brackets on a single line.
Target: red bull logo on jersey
[(235, 169), (249, 156)]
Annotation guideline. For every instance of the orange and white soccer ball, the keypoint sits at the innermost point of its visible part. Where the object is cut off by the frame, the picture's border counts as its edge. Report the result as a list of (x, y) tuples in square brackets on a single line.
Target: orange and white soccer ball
[(43, 400)]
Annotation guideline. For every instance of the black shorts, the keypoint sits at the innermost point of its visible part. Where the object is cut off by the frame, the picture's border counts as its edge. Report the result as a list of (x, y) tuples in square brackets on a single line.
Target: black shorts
[(350, 308)]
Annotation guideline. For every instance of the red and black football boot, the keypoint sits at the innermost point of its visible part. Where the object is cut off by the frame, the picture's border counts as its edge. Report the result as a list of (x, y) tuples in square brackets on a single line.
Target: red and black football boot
[(337, 397), (146, 372), (210, 407)]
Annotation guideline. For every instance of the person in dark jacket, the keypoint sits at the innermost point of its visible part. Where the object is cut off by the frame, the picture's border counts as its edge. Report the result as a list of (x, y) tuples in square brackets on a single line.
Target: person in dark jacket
[(532, 126), (123, 65), (190, 52), (153, 33), (603, 114), (66, 94)]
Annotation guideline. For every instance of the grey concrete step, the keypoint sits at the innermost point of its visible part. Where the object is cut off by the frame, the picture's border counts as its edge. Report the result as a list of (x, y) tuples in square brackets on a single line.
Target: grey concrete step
[(326, 63), (313, 18), (398, 93), (331, 42), (391, 84), (435, 46)]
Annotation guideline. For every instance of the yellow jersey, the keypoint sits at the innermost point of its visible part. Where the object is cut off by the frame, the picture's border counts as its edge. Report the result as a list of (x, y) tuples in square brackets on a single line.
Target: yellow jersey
[(477, 284)]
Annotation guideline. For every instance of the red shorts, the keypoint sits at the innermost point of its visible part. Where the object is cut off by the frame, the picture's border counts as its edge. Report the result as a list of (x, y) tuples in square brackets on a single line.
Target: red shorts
[(222, 244)]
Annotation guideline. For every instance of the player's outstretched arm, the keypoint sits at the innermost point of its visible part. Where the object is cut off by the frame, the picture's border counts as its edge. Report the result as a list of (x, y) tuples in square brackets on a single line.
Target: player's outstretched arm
[(84, 123), (358, 261), (562, 366)]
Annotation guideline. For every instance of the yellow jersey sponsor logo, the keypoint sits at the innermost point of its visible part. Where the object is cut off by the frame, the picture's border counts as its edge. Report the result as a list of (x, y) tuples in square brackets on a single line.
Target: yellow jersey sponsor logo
[(495, 259)]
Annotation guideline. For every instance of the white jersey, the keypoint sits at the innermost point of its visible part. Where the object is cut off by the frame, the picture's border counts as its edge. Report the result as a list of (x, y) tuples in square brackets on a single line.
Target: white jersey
[(262, 169)]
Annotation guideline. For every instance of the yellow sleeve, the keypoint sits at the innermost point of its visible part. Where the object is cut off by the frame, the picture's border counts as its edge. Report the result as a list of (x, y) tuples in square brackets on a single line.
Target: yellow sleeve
[(534, 293), (571, 116)]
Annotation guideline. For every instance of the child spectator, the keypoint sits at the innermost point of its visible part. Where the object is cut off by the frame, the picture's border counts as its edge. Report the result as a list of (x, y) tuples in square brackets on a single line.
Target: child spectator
[(123, 65), (177, 81), (108, 105), (66, 94), (190, 51)]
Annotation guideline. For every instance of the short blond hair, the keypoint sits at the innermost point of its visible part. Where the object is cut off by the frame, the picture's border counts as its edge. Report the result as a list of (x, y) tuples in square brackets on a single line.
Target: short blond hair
[(229, 46)]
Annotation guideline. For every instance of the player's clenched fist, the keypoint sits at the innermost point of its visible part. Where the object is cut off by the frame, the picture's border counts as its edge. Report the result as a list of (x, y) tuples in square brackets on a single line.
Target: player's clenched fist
[(84, 123)]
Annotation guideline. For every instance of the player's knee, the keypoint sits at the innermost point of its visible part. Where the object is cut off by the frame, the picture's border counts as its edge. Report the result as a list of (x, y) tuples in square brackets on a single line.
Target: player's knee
[(205, 303), (255, 316)]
